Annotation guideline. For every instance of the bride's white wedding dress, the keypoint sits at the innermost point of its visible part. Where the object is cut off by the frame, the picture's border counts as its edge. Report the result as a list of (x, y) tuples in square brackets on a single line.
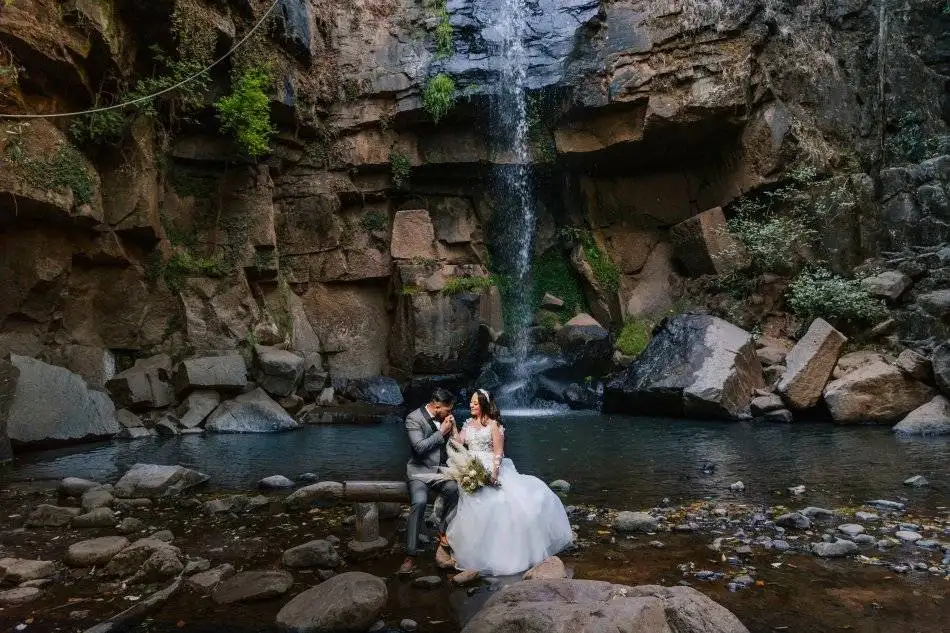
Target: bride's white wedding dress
[(506, 530)]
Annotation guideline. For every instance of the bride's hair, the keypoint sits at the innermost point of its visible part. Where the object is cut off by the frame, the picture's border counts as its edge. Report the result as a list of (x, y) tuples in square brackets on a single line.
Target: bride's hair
[(487, 405)]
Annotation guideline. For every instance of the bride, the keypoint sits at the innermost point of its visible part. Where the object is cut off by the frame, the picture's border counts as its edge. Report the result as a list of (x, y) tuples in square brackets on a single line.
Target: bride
[(508, 528)]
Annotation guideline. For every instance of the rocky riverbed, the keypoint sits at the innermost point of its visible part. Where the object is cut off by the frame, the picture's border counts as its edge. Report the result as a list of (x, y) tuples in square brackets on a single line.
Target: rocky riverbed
[(869, 567)]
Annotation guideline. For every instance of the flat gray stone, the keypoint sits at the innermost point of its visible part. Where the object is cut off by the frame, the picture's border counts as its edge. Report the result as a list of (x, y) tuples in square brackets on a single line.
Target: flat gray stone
[(908, 536), (635, 522), (889, 284), (347, 602), (813, 512), (196, 566), (75, 487), (837, 549), (97, 551), (885, 504), (205, 582), (917, 481), (851, 529), (795, 520), (155, 480), (97, 498), (366, 549), (45, 515), (19, 570), (129, 525), (317, 553), (98, 518), (224, 373), (766, 404), (249, 586), (197, 407), (427, 582), (19, 595), (275, 482)]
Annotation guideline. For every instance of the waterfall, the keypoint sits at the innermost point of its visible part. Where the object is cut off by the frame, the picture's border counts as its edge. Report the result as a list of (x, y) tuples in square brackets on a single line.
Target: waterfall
[(514, 183)]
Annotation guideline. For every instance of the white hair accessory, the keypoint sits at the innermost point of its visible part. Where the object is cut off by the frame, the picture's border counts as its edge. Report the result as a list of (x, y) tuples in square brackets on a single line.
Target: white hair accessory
[(485, 393)]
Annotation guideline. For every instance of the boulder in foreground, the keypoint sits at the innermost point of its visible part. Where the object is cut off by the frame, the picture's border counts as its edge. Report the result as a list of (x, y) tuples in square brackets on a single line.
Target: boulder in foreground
[(349, 602), (569, 606)]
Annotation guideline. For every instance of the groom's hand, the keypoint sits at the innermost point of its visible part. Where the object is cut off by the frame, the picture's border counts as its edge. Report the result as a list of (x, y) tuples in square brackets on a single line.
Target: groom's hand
[(448, 424)]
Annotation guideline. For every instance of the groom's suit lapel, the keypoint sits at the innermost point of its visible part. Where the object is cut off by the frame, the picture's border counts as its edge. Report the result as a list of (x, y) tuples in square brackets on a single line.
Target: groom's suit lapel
[(429, 424)]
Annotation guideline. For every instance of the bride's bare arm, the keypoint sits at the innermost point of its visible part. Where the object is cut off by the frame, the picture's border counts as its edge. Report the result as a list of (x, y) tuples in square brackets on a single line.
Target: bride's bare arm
[(498, 448)]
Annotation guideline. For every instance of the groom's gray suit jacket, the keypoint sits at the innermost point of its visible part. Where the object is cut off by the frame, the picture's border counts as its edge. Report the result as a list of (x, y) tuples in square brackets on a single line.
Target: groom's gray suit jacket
[(426, 442)]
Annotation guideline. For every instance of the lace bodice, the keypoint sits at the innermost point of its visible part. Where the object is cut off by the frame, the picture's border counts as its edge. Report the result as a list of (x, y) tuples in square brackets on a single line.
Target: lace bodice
[(478, 437)]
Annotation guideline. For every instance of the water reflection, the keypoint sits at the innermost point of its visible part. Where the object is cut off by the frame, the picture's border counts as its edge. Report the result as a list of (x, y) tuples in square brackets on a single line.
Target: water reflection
[(610, 460)]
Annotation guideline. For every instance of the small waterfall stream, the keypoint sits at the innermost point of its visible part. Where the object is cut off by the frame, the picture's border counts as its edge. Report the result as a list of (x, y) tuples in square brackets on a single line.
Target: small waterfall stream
[(514, 184)]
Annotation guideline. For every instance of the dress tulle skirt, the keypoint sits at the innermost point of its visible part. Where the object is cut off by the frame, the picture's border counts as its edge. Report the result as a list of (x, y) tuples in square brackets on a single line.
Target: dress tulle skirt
[(506, 530)]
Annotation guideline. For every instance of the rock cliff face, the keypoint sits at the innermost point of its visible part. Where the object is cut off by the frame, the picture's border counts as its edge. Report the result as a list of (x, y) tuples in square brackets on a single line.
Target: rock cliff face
[(361, 239)]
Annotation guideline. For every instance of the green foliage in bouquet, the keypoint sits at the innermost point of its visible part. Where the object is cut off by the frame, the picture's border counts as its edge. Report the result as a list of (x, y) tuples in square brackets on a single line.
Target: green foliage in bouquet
[(466, 469), (474, 476)]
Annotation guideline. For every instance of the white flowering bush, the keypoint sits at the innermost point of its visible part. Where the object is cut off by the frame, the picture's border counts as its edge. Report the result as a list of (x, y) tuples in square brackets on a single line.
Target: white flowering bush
[(821, 293)]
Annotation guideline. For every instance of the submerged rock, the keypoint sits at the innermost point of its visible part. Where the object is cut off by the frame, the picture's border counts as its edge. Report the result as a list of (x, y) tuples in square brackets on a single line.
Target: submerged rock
[(566, 606), (695, 366)]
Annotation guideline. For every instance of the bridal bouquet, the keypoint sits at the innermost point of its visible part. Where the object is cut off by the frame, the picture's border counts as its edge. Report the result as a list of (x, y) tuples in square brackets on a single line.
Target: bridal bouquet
[(465, 468)]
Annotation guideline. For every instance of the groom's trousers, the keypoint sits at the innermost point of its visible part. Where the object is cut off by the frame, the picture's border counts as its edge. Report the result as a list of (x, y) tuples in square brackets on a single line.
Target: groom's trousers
[(419, 497)]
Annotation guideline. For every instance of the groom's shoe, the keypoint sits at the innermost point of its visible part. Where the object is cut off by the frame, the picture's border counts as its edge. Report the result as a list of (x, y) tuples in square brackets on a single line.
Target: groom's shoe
[(407, 567)]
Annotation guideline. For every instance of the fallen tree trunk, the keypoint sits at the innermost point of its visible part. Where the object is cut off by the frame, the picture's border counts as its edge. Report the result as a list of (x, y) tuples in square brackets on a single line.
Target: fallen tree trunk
[(132, 616)]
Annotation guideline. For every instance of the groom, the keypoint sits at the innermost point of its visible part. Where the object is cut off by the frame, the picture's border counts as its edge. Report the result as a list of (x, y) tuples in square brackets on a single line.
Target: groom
[(429, 428)]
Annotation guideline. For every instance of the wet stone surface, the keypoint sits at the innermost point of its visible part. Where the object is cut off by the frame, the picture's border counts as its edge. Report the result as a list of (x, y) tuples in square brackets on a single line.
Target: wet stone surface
[(736, 553)]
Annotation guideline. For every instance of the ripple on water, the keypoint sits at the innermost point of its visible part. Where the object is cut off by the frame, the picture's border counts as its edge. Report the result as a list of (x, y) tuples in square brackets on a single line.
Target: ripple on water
[(609, 460)]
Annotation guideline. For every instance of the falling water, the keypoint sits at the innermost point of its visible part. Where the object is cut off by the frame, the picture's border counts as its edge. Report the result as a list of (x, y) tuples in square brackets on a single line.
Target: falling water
[(515, 189)]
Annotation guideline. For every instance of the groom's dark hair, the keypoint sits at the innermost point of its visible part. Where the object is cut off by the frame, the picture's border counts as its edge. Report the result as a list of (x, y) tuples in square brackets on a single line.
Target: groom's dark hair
[(443, 396)]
